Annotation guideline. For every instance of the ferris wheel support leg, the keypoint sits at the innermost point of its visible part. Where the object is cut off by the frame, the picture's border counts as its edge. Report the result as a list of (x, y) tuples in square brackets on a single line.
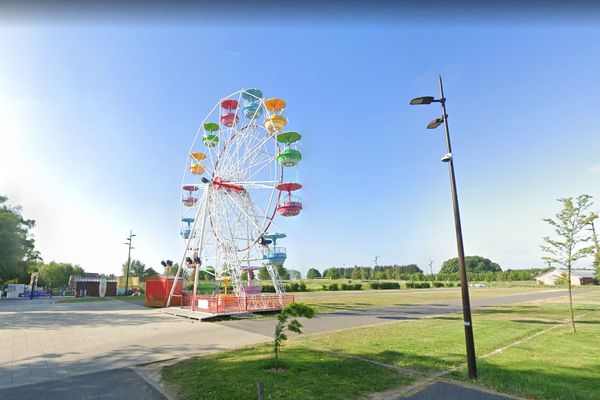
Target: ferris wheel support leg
[(202, 229), (187, 245)]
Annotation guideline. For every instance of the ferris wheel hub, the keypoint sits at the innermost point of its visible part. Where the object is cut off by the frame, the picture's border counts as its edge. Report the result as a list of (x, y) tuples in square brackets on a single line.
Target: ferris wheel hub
[(218, 183)]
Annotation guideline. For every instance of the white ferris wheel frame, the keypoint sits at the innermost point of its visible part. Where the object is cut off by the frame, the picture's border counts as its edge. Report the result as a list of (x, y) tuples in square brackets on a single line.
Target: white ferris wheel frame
[(213, 210)]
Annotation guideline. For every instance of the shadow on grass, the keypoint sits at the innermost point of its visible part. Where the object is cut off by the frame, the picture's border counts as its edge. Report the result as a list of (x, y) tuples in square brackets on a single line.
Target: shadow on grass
[(447, 318), (535, 321)]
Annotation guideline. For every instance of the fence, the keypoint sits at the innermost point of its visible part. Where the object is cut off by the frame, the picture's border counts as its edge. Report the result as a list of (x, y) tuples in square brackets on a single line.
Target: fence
[(221, 304)]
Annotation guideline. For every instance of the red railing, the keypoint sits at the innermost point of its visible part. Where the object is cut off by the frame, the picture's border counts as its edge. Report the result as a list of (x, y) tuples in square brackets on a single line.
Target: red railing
[(234, 304)]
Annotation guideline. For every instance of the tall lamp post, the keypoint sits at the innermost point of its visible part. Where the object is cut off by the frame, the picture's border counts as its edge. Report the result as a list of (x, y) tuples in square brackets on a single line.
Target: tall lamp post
[(128, 243), (464, 285)]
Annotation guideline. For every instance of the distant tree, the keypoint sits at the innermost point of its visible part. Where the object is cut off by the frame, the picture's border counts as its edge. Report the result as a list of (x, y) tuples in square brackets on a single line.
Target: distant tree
[(283, 273), (313, 273), (263, 274), (56, 274), (136, 268), (150, 271), (294, 275), (472, 264), (569, 226), (17, 246)]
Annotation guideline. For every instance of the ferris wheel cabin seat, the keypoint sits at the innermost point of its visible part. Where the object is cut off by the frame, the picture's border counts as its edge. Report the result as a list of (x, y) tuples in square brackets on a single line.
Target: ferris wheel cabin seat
[(275, 256), (187, 230), (210, 140), (289, 205), (289, 157), (189, 201), (275, 123), (253, 110), (229, 119), (197, 169)]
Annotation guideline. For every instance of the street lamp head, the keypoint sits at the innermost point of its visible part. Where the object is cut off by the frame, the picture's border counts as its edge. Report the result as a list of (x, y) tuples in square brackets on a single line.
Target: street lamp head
[(422, 100), (435, 123)]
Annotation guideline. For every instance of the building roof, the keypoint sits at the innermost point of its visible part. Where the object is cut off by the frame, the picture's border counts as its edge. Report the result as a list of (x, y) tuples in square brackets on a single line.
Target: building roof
[(582, 273)]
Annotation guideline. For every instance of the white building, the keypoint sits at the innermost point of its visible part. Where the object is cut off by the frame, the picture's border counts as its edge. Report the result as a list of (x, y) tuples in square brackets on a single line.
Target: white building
[(578, 277)]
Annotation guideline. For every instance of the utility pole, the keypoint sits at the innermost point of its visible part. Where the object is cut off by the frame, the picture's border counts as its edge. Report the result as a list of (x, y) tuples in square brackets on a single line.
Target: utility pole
[(128, 243), (431, 270), (376, 258)]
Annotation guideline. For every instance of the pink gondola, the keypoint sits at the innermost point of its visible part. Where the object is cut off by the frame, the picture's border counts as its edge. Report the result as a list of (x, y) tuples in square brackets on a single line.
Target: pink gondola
[(289, 205)]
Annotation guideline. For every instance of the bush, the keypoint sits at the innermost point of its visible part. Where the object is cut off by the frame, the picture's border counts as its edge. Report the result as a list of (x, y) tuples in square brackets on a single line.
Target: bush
[(333, 286), (385, 285), (418, 285), (268, 289), (438, 284), (450, 284), (357, 286), (295, 287)]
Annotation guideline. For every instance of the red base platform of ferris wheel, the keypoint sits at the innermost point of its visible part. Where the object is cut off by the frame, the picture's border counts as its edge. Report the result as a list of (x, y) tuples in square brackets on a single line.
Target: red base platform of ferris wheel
[(205, 306)]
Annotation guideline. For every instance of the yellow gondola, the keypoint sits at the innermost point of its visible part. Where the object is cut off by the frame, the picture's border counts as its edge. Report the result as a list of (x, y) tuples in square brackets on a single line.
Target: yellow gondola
[(197, 169), (275, 123)]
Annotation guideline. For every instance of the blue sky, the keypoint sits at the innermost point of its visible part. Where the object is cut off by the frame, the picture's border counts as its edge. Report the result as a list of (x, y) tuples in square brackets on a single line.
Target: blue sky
[(95, 123)]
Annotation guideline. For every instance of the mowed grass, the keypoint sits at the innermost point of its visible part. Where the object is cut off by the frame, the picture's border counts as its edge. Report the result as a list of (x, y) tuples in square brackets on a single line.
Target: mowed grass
[(438, 343), (555, 364), (333, 301), (310, 375)]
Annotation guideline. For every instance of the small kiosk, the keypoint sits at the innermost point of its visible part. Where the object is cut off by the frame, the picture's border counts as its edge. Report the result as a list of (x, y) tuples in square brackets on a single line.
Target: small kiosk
[(158, 288)]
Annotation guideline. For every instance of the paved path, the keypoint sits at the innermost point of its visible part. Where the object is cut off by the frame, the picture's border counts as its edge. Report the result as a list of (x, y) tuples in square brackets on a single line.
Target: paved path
[(450, 391), (41, 341), (116, 384), (352, 318)]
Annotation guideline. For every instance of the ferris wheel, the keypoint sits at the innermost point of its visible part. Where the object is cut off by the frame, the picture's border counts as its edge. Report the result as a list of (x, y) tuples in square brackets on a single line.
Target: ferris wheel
[(241, 175)]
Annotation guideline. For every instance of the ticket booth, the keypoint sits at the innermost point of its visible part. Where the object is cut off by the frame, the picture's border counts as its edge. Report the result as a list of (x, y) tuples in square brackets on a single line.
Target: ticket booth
[(158, 288)]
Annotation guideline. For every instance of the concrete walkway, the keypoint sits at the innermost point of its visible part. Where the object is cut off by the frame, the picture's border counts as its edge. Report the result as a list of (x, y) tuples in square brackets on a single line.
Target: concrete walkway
[(41, 341)]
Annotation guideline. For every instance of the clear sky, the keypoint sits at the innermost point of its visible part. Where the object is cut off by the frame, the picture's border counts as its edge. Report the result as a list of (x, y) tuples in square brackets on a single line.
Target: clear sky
[(96, 120)]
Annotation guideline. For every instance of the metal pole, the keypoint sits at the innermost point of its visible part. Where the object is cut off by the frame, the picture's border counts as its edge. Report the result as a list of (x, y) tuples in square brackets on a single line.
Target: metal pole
[(128, 262), (464, 284)]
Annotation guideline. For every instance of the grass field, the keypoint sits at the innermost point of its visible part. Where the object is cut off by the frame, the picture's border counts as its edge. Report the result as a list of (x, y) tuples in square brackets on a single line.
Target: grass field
[(551, 365), (310, 375), (333, 301)]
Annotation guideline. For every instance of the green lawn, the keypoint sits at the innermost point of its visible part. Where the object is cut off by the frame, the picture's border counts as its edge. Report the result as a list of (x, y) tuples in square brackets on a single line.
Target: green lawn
[(555, 365), (552, 365), (438, 343), (310, 375), (334, 301)]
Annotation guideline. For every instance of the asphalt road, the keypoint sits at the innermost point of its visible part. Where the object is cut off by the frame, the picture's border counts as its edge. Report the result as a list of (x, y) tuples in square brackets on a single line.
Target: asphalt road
[(116, 384), (352, 318), (449, 391)]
